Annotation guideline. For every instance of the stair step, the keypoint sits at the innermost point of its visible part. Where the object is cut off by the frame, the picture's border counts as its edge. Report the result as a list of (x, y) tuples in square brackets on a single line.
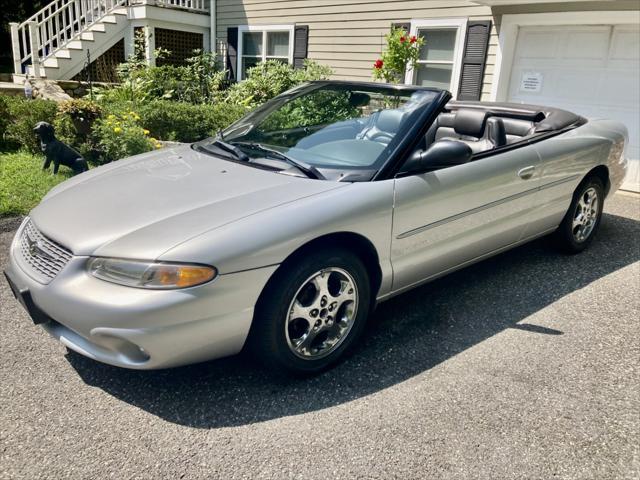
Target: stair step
[(109, 19), (50, 62), (87, 37), (30, 70), (62, 53), (74, 45), (97, 27)]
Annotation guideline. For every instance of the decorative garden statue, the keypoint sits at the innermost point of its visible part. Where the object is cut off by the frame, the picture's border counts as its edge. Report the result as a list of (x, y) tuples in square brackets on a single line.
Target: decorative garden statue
[(57, 152)]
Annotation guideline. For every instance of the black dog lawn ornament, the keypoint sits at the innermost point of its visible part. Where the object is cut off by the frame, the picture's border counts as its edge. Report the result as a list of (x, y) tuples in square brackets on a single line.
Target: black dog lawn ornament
[(57, 152)]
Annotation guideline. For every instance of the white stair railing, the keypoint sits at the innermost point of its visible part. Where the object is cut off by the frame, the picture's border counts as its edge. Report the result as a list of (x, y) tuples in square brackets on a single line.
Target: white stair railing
[(192, 5), (53, 27), (61, 21)]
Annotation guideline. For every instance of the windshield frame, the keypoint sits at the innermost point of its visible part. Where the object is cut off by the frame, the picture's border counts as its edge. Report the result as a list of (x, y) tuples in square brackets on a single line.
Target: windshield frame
[(402, 142)]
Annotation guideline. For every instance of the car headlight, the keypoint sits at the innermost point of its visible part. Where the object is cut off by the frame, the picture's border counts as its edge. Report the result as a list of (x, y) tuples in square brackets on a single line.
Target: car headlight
[(152, 275)]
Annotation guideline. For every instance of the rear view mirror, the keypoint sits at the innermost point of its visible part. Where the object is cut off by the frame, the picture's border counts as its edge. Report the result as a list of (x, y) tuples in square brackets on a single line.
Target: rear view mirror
[(442, 154)]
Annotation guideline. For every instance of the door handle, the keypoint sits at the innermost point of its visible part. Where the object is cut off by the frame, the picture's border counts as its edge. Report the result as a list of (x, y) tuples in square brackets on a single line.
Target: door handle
[(527, 172)]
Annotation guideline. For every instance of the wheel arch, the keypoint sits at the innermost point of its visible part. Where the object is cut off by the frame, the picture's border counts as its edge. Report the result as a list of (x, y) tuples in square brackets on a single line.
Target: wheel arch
[(355, 243), (602, 172)]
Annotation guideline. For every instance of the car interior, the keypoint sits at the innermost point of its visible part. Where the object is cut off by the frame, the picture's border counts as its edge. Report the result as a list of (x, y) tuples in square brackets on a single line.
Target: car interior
[(357, 142), (489, 126)]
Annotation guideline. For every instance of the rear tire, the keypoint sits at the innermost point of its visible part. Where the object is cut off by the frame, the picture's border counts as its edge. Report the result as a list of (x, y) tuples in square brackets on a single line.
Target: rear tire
[(580, 224), (311, 313)]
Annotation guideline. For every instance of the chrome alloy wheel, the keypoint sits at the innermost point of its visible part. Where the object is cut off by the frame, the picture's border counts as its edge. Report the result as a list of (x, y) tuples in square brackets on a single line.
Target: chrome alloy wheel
[(585, 215), (322, 313)]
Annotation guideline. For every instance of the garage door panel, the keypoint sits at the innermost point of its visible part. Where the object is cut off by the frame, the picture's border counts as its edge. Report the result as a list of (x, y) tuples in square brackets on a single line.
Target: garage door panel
[(591, 70), (586, 45), (625, 44), (620, 81), (538, 45)]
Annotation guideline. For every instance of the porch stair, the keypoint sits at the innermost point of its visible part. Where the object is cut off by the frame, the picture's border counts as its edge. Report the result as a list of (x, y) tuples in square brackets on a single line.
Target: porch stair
[(53, 43)]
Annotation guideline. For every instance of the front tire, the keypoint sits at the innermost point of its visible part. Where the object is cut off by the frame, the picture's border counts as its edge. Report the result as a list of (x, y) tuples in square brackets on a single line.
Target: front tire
[(311, 312), (580, 224)]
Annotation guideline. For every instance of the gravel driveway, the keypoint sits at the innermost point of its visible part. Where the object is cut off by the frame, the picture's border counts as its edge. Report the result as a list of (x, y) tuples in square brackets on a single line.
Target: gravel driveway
[(523, 366)]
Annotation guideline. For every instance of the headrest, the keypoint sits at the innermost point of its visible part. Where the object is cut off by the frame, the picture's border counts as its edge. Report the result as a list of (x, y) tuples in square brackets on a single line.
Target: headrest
[(470, 122), (390, 120)]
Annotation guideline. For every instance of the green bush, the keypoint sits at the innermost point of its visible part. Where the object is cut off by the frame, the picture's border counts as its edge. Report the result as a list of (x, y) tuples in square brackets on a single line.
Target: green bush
[(271, 78), (4, 116), (185, 122), (23, 114), (74, 125), (200, 81), (122, 135)]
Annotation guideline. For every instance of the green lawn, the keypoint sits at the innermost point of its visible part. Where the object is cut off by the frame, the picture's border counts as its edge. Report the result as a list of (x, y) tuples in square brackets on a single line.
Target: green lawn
[(23, 183)]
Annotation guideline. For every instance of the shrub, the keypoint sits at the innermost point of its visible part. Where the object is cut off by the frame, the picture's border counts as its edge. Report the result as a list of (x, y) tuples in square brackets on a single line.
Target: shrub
[(74, 125), (271, 78), (319, 108), (185, 122), (200, 81), (122, 135), (4, 116), (23, 114)]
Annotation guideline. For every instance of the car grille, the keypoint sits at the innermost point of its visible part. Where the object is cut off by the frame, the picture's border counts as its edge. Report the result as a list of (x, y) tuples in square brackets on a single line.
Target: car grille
[(44, 257)]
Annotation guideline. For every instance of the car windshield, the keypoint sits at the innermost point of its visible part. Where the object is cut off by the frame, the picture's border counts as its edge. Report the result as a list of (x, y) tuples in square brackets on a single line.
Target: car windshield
[(324, 128)]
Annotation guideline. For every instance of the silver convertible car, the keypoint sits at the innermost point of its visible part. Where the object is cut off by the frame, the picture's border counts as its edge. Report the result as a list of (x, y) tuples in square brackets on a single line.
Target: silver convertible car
[(281, 234)]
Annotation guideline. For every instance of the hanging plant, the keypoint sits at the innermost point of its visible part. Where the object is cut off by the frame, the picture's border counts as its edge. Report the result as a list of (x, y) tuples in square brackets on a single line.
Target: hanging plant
[(402, 52)]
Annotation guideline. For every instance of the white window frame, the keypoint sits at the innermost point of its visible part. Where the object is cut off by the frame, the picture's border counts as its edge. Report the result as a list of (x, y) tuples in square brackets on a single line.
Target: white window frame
[(264, 29), (444, 23)]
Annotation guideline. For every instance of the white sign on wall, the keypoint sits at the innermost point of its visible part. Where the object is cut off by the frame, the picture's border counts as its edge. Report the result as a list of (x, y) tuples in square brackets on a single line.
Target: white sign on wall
[(531, 82)]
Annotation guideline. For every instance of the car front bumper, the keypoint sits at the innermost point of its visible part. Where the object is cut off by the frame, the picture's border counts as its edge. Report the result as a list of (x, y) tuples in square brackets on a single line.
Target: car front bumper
[(138, 328)]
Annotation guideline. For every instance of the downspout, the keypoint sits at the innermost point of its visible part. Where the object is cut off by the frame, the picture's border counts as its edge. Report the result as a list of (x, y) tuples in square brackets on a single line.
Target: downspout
[(213, 35)]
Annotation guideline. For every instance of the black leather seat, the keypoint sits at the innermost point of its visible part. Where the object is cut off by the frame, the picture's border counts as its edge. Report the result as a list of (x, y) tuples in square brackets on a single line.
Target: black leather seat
[(383, 126), (495, 132), (473, 127)]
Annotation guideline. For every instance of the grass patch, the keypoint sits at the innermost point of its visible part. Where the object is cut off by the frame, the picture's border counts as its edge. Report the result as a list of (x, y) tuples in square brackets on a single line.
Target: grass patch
[(23, 183)]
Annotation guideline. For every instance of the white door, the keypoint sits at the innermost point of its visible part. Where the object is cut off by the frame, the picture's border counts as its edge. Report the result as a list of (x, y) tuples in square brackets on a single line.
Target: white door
[(592, 70)]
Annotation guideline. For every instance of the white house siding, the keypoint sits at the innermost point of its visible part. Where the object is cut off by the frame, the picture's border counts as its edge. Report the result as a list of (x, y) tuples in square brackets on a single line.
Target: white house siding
[(347, 35)]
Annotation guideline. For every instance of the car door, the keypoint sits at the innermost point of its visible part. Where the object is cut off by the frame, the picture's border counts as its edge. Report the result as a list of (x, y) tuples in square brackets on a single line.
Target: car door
[(448, 217)]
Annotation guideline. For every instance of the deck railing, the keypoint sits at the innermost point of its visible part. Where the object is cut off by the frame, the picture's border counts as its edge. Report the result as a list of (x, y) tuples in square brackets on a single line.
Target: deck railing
[(193, 5), (53, 27), (62, 21)]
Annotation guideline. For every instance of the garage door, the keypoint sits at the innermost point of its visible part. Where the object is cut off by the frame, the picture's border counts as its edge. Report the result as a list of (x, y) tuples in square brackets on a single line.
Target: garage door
[(590, 70)]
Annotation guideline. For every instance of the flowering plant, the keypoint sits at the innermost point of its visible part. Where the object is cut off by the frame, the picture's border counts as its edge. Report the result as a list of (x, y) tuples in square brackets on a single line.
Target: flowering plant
[(402, 51), (121, 135)]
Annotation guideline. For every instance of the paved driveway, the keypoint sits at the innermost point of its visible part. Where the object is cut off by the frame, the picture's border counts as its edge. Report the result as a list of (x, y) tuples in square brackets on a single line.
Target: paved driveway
[(523, 366)]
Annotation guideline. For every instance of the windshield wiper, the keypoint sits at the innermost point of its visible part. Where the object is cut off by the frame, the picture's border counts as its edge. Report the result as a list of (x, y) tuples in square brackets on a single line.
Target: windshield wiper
[(309, 170), (235, 151)]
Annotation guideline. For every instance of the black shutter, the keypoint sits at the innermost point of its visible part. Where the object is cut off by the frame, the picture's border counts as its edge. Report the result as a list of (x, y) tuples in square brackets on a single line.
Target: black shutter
[(406, 26), (232, 52), (474, 60), (300, 45)]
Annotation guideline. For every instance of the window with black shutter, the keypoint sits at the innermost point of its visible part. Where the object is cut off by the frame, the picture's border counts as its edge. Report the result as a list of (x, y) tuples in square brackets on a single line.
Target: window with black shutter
[(258, 44)]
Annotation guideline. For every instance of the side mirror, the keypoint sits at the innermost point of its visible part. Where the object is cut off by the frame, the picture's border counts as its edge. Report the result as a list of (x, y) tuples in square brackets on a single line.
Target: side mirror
[(442, 154)]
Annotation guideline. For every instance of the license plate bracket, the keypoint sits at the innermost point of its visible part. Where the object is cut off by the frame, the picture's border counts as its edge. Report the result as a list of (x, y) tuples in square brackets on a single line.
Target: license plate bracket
[(23, 295)]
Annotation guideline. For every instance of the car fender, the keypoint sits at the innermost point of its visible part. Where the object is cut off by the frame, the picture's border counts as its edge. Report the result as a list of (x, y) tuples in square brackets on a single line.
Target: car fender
[(269, 237)]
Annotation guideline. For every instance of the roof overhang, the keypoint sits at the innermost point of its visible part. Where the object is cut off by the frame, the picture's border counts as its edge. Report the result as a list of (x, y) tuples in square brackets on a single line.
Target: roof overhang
[(502, 3)]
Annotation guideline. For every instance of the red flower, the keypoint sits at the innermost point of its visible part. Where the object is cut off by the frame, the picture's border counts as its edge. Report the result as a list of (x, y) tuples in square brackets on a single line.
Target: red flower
[(413, 39), (402, 39), (378, 65)]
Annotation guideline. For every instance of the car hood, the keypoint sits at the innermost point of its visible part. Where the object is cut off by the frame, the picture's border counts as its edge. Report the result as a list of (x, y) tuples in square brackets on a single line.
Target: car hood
[(142, 206)]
